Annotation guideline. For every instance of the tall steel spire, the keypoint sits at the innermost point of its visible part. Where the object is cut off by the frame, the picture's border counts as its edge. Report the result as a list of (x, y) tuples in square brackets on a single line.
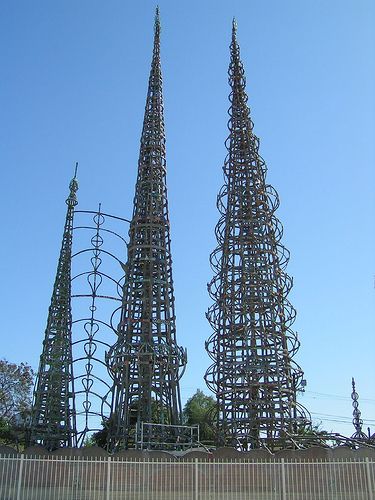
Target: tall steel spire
[(146, 362), (253, 375), (53, 414)]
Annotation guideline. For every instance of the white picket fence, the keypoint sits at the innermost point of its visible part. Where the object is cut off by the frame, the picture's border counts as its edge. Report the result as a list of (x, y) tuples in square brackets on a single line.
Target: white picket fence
[(76, 478)]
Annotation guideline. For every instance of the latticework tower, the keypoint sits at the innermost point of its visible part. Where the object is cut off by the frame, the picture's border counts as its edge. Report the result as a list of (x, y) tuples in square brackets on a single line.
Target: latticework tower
[(53, 414), (145, 362), (253, 375), (357, 420)]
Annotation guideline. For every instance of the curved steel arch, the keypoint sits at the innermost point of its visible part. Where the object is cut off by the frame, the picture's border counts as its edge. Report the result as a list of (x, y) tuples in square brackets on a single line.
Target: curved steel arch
[(94, 295)]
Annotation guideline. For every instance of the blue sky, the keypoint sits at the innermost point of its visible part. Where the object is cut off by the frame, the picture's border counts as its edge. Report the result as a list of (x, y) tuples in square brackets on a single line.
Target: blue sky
[(73, 88)]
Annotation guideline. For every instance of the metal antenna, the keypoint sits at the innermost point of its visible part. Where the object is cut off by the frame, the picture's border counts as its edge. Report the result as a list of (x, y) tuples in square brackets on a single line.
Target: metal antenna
[(146, 362), (53, 413), (253, 375)]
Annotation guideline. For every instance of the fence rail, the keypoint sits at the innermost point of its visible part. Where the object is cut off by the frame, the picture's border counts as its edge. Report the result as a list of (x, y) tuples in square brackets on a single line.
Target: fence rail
[(76, 478)]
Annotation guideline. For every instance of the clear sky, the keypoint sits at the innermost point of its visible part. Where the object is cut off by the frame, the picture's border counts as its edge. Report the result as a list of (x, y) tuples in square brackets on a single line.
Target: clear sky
[(73, 88)]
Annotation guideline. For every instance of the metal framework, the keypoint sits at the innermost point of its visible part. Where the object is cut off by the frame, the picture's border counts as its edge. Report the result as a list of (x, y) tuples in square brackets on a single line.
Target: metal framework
[(146, 363), (253, 375), (107, 478), (150, 437), (357, 420), (53, 413), (96, 292)]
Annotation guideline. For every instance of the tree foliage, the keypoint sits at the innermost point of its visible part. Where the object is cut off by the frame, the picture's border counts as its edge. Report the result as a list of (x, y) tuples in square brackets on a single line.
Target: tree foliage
[(98, 438), (16, 382), (200, 409)]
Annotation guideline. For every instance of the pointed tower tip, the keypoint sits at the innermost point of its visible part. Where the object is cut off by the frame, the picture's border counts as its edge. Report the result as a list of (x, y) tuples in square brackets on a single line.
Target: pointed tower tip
[(73, 188), (157, 20), (234, 28)]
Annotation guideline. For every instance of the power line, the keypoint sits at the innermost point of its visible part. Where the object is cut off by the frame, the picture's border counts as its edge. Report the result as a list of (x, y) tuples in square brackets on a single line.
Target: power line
[(336, 396), (344, 419)]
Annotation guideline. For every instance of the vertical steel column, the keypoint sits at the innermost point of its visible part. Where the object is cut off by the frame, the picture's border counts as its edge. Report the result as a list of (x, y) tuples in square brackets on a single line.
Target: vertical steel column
[(108, 478), (283, 480), (369, 480), (20, 474)]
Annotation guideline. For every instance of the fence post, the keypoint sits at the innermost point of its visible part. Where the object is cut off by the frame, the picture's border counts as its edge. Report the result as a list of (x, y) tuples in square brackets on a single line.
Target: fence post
[(196, 496), (283, 482), (369, 481), (20, 472), (108, 478)]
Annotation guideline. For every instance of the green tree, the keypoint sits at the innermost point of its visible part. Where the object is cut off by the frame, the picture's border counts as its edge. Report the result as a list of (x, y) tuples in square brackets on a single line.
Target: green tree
[(16, 382), (201, 409), (98, 438)]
